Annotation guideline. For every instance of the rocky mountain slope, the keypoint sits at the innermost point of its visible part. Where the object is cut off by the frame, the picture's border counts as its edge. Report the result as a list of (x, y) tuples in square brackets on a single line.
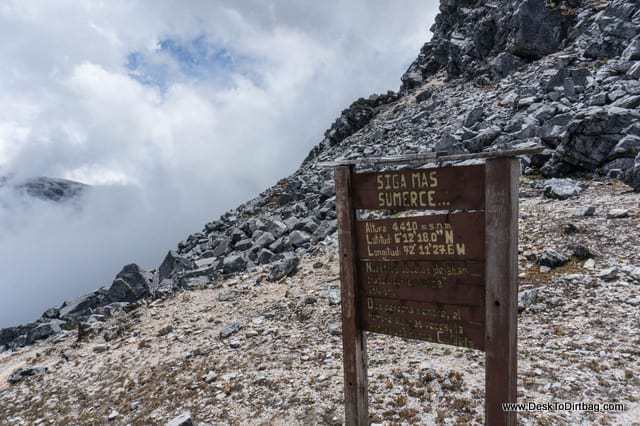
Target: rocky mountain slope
[(496, 74), (245, 350), (44, 188)]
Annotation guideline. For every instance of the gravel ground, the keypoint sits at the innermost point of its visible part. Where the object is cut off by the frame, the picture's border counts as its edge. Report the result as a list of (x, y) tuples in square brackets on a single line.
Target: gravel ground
[(578, 342)]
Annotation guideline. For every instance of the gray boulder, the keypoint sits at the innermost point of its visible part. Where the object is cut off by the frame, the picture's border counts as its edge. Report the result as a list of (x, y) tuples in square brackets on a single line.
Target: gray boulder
[(184, 419), (131, 284), (172, 265), (21, 373), (632, 176), (230, 329), (628, 146), (82, 306), (632, 52), (591, 138), (473, 116), (284, 268), (264, 240), (537, 30), (504, 64), (234, 263), (527, 298), (552, 258), (243, 245), (299, 238), (561, 189), (44, 330), (221, 246), (265, 256)]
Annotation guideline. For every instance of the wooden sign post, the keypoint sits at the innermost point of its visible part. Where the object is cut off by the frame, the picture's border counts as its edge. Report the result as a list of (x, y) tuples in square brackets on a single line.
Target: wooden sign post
[(446, 278)]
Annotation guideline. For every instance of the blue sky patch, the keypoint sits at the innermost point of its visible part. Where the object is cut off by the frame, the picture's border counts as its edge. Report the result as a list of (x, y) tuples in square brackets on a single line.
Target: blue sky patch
[(197, 59)]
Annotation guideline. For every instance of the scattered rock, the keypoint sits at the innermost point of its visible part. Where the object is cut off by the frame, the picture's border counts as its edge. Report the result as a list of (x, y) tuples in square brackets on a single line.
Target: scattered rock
[(165, 330), (609, 274), (183, 419), (230, 329), (552, 258), (617, 213), (584, 211), (561, 189), (234, 263), (22, 373), (527, 298), (335, 328), (284, 268)]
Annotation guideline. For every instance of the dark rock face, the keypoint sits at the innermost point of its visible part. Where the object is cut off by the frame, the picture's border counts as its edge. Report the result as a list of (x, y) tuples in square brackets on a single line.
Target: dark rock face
[(552, 259), (591, 138), (81, 306), (353, 119), (561, 189), (44, 330), (480, 38), (22, 373), (51, 189), (496, 75), (131, 284), (537, 29), (284, 268), (173, 265)]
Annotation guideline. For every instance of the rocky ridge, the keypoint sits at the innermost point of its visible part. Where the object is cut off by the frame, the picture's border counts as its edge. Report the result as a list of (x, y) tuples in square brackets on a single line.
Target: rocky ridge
[(45, 188), (496, 75), (489, 79), (246, 350)]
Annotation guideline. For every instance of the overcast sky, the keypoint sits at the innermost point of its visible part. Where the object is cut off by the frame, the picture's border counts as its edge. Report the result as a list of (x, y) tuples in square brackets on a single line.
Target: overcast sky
[(183, 109)]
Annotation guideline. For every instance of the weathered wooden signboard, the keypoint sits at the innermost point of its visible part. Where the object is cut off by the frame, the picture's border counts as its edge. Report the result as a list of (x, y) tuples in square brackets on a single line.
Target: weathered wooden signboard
[(447, 275)]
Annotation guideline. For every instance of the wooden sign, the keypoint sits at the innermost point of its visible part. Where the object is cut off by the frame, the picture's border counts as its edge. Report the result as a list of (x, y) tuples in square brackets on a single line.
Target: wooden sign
[(454, 236), (443, 188), (443, 278)]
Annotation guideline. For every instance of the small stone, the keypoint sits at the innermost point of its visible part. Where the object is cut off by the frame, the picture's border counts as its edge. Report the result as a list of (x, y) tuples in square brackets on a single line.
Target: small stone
[(100, 349), (183, 419), (310, 300), (165, 330), (235, 263), (335, 328), (569, 229), (589, 264), (581, 251), (112, 415), (284, 268), (561, 189), (22, 373), (230, 329), (299, 238), (584, 211), (333, 295), (234, 343), (251, 333), (617, 213), (552, 259), (210, 377), (527, 298), (227, 296), (609, 274)]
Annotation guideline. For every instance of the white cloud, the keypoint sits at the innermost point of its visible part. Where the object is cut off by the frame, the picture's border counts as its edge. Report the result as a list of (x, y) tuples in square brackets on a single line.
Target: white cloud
[(190, 141)]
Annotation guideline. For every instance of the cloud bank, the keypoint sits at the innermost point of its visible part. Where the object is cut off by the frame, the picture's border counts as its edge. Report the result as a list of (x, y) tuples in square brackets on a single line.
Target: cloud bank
[(176, 111)]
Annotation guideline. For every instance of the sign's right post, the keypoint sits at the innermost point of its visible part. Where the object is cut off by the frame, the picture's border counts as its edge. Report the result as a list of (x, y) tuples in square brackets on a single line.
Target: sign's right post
[(501, 230)]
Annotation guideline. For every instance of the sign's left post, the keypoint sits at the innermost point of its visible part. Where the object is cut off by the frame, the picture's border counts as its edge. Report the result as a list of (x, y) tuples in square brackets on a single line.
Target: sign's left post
[(353, 337)]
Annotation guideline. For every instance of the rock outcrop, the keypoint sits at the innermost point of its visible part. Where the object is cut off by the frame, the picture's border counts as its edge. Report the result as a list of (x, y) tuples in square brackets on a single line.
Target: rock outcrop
[(498, 74)]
